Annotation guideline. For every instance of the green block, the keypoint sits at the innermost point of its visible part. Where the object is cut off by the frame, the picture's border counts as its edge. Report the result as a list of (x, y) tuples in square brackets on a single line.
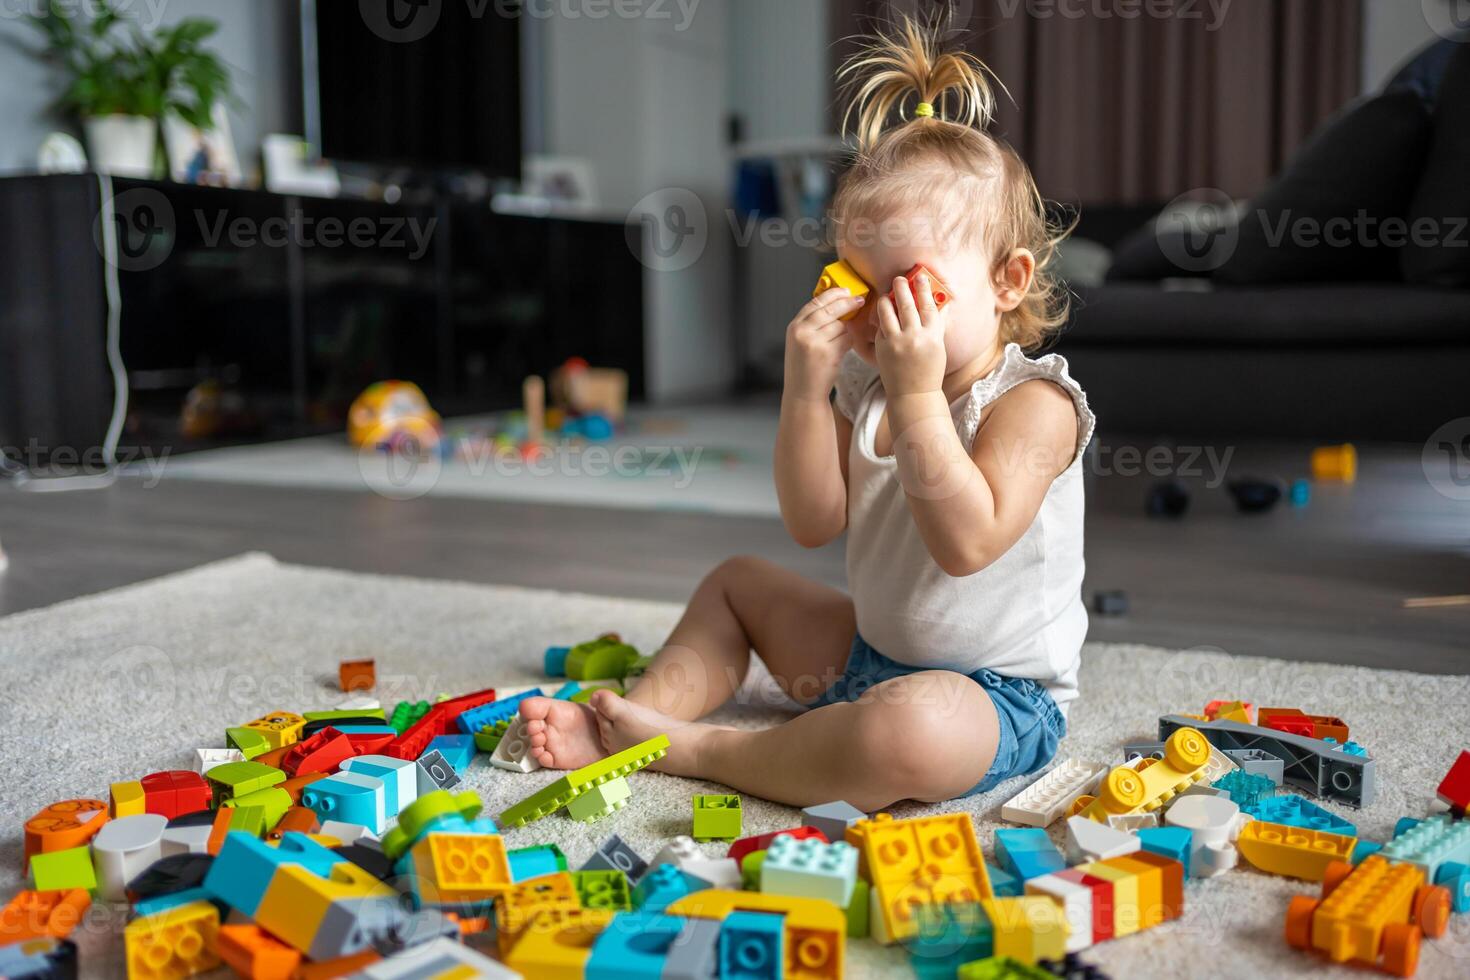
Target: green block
[(249, 741), (600, 801), (553, 797), (488, 737), (273, 802), (600, 659), (717, 816), (603, 890), (336, 713), (250, 819), (1001, 968), (750, 870), (64, 870), (239, 778), (585, 695), (857, 910), (405, 713)]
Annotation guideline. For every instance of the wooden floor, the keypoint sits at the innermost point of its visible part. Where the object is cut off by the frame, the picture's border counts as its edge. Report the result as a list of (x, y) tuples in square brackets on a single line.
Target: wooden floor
[(1322, 583)]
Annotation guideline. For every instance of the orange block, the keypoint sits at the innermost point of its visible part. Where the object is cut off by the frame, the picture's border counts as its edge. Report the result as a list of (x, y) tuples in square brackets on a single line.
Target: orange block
[(358, 675), (220, 828), (64, 825), (298, 819), (296, 784), (1171, 879), (31, 915), (1150, 889), (331, 969), (254, 953)]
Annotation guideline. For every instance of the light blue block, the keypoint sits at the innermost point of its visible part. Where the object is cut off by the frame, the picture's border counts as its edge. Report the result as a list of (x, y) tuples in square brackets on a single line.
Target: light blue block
[(351, 797), (533, 862), (751, 946), (1003, 883), (475, 719), (663, 886), (810, 869), (634, 946), (245, 865), (1170, 842), (458, 750), (555, 661), (399, 776), (565, 692), (1027, 852), (1298, 811), (366, 729), (162, 903)]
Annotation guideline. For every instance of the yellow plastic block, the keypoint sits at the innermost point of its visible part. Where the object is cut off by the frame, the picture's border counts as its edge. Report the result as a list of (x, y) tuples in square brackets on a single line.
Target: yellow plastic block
[(815, 929), (178, 942), (557, 943), (1349, 922), (923, 861), (517, 905), (1293, 851), (280, 728), (841, 275), (297, 899), (1028, 927), (462, 867), (1150, 889), (1234, 711), (127, 799), (1143, 789), (1126, 917)]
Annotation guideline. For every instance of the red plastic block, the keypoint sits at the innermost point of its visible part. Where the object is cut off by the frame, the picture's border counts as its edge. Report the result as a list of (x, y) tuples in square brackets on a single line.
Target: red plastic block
[(936, 286), (1102, 901), (296, 784), (1454, 789), (31, 915), (438, 721), (175, 792), (370, 743), (254, 953), (322, 752), (745, 845)]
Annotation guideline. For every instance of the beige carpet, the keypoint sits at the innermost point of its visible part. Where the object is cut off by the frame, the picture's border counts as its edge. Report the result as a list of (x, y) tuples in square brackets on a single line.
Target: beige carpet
[(113, 686)]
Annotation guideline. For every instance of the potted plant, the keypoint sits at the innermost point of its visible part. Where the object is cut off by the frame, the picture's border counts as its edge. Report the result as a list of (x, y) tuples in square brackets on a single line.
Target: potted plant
[(121, 80)]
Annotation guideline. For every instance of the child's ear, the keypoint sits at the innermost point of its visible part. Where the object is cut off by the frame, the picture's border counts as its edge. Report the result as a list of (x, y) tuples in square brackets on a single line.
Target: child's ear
[(1013, 279)]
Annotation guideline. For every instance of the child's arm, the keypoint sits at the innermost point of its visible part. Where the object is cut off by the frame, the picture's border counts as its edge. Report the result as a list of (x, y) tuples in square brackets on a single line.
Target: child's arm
[(970, 508), (811, 441)]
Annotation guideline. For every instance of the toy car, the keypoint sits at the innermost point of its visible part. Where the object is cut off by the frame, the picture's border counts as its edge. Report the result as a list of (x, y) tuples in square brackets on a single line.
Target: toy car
[(1375, 914), (393, 415), (1127, 789)]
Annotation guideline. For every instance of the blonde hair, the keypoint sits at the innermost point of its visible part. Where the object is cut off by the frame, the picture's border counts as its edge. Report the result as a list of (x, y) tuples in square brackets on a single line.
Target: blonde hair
[(934, 157)]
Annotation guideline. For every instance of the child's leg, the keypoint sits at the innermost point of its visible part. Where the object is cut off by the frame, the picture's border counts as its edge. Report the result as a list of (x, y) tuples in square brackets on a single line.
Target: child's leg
[(926, 736), (801, 629)]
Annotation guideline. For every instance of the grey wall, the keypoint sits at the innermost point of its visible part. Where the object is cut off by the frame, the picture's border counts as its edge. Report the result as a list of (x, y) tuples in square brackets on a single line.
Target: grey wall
[(254, 40), (1393, 30)]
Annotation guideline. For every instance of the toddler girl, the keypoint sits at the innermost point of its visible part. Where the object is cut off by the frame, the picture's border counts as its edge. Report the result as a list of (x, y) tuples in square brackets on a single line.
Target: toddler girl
[(951, 459)]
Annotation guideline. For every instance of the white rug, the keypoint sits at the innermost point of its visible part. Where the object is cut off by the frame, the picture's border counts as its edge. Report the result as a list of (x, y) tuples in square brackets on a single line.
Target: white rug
[(113, 686), (710, 460)]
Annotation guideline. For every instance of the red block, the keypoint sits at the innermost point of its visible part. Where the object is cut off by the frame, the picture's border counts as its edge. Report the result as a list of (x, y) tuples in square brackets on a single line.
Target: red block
[(439, 720), (1102, 901), (175, 792), (1454, 789), (936, 286), (745, 845), (322, 752)]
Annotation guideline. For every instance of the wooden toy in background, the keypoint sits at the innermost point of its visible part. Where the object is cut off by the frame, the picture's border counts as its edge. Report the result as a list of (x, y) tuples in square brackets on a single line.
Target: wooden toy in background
[(579, 389), (533, 396), (215, 409), (394, 415)]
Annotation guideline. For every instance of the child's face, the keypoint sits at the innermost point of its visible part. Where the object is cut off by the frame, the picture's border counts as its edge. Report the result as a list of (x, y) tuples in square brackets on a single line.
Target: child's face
[(971, 318)]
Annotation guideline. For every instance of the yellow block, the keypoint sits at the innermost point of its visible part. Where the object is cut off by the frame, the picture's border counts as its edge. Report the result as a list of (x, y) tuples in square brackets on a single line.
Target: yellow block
[(461, 867), (557, 943), (1028, 927), (1126, 918), (516, 906), (815, 934), (1293, 851), (178, 942), (840, 274), (127, 799), (1150, 889), (280, 728), (922, 861), (297, 899)]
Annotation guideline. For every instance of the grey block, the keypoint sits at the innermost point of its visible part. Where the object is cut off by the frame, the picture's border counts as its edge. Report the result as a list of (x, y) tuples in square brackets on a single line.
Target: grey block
[(354, 925), (1139, 750), (435, 772), (695, 954), (1258, 763), (832, 819), (1308, 763), (614, 855), (420, 927)]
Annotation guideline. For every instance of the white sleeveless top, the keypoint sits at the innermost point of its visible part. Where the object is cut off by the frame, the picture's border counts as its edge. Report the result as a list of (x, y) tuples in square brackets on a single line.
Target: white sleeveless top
[(1021, 616)]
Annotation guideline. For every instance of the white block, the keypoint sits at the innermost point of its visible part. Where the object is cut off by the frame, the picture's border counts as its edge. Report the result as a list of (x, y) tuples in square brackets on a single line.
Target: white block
[(1214, 823), (438, 957), (1218, 765), (1046, 800), (123, 849), (1129, 822), (400, 778), (514, 750), (679, 852), (185, 840), (1076, 903), (719, 872), (347, 833), (359, 702), (207, 759), (1088, 840)]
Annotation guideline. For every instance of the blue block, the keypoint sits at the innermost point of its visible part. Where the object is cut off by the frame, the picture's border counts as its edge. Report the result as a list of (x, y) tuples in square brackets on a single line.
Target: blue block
[(947, 937), (352, 797), (1003, 883), (1245, 789), (663, 886), (458, 750), (388, 774), (366, 729), (533, 862), (1298, 811), (1365, 848), (751, 946), (634, 946), (565, 692), (1027, 852), (1170, 842), (162, 903), (556, 661), (245, 866), (488, 714)]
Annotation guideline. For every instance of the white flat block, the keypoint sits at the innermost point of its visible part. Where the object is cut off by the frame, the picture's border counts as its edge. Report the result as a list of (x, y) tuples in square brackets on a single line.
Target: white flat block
[(123, 849), (514, 749), (1088, 840), (1046, 800)]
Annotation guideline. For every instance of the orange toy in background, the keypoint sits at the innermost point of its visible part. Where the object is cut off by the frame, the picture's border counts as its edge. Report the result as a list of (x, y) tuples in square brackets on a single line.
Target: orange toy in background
[(394, 415), (579, 389)]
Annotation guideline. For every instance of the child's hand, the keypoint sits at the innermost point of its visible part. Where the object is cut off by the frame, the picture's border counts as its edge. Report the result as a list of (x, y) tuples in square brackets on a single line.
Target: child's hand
[(815, 343), (910, 341)]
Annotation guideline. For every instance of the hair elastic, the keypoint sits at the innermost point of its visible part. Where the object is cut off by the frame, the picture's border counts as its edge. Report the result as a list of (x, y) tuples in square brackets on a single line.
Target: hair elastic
[(924, 109)]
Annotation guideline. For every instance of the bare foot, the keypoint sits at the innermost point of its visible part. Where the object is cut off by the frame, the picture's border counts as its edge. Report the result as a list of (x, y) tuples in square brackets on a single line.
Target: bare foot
[(563, 733), (622, 724)]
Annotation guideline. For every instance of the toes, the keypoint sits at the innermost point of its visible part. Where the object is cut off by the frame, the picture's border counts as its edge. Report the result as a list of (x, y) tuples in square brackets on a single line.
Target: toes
[(535, 727), (535, 709), (538, 740), (607, 704)]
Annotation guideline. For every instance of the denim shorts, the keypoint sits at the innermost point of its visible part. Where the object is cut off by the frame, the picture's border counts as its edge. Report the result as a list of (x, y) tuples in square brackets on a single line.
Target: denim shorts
[(1031, 724)]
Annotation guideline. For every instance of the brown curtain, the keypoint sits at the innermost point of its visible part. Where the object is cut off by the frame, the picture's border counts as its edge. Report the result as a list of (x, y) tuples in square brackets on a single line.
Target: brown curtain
[(1120, 109)]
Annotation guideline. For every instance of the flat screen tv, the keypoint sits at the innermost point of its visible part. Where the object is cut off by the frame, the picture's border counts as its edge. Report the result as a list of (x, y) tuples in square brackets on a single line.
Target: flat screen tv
[(429, 84)]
